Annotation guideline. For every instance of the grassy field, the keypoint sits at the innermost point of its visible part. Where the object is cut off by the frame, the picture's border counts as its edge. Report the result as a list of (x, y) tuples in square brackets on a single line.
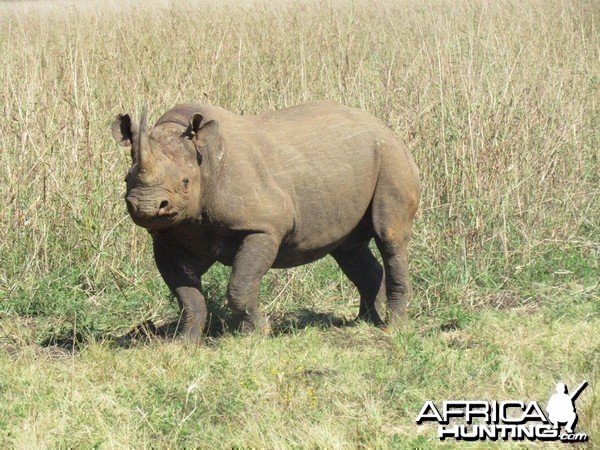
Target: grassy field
[(499, 103)]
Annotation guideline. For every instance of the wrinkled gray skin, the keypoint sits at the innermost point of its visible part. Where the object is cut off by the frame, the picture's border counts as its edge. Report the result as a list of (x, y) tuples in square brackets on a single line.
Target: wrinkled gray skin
[(278, 189)]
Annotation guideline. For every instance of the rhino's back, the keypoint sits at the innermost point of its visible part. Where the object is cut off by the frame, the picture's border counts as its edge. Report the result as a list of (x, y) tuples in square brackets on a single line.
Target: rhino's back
[(324, 118)]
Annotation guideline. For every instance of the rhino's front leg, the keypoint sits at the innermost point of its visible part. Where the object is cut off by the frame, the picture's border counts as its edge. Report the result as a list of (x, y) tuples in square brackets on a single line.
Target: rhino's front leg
[(181, 272), (253, 259)]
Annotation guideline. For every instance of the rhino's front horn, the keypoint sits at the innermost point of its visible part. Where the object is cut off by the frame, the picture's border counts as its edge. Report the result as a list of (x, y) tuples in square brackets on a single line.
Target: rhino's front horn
[(145, 162)]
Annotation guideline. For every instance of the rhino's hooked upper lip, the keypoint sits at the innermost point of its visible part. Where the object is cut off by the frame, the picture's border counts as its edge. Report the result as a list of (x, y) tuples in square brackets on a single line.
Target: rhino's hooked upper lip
[(156, 222), (150, 213)]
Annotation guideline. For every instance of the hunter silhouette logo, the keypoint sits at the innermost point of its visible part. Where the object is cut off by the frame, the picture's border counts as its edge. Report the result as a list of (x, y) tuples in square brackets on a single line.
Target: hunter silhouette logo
[(561, 407), (512, 419)]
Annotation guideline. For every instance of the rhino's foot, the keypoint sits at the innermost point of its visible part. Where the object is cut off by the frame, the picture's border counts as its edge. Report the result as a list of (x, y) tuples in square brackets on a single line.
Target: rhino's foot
[(397, 322), (370, 316), (192, 335), (246, 325)]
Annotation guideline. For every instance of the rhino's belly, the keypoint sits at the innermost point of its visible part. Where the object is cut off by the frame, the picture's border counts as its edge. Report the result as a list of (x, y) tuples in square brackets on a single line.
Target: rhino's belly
[(305, 248), (292, 257), (224, 250)]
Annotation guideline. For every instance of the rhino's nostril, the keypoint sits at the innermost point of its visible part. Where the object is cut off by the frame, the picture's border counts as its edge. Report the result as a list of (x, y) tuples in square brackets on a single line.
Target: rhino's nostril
[(164, 204)]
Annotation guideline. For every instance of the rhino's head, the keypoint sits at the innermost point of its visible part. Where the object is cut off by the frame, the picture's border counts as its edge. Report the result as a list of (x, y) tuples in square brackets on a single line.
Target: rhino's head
[(164, 183)]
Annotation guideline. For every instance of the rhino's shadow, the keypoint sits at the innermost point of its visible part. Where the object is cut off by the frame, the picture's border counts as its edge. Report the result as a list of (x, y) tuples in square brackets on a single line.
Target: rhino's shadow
[(148, 331), (70, 343), (305, 318), (217, 327)]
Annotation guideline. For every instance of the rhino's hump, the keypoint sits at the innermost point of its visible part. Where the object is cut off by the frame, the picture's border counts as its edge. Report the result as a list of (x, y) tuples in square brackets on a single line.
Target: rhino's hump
[(182, 113)]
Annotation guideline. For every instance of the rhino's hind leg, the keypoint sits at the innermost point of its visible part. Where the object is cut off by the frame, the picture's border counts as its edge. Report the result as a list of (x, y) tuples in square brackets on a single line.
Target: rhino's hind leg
[(393, 227), (394, 206), (365, 272)]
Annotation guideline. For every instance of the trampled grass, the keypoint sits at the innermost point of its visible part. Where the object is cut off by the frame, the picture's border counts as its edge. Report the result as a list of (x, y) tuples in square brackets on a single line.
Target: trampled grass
[(498, 103)]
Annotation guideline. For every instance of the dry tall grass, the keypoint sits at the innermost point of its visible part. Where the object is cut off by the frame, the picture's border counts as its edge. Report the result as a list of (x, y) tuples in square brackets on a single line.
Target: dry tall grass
[(497, 101)]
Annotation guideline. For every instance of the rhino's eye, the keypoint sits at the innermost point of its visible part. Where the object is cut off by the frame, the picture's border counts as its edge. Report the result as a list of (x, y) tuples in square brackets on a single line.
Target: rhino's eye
[(186, 181)]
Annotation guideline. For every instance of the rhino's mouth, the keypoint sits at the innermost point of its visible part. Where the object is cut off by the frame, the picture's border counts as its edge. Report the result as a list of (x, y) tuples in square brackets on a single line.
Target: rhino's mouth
[(157, 222)]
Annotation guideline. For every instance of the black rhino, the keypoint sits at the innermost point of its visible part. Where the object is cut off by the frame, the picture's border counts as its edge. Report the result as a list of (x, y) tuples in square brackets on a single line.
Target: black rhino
[(278, 189)]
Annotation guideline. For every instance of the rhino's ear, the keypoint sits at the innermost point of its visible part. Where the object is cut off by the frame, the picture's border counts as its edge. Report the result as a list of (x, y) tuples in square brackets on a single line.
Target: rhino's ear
[(203, 133), (123, 130)]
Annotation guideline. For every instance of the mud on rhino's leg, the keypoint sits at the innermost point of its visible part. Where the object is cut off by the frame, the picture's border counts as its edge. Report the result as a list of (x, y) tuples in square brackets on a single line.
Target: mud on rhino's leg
[(182, 272), (253, 259), (365, 272)]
